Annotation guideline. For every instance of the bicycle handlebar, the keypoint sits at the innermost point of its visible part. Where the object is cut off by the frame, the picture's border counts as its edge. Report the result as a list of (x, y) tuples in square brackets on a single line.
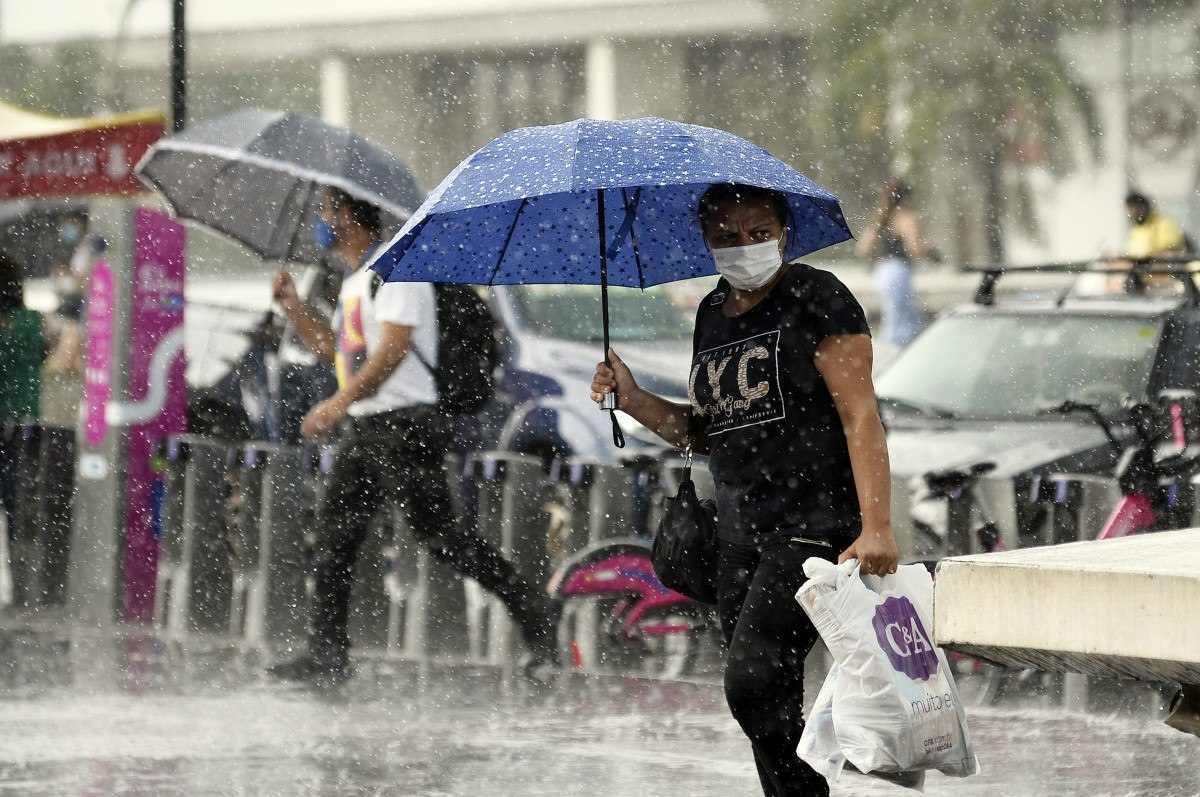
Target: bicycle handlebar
[(1070, 407)]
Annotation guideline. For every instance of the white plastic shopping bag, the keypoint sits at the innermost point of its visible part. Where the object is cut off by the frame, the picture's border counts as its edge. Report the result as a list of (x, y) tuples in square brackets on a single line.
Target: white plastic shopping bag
[(889, 705)]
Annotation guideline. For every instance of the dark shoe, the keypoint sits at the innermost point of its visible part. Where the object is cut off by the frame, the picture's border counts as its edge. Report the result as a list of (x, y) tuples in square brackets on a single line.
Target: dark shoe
[(322, 672)]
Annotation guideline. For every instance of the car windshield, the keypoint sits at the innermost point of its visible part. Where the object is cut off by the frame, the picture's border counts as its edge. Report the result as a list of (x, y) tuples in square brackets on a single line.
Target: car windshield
[(1015, 365), (572, 312)]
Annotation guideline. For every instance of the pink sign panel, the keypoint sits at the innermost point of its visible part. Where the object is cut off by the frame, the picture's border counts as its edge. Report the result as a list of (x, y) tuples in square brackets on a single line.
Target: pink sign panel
[(97, 375), (156, 313)]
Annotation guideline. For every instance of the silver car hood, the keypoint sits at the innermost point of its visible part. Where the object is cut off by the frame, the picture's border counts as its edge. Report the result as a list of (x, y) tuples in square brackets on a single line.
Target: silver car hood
[(1015, 446), (660, 366)]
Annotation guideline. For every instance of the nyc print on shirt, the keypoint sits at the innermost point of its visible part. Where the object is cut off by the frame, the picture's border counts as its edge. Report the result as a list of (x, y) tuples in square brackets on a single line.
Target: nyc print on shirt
[(737, 385)]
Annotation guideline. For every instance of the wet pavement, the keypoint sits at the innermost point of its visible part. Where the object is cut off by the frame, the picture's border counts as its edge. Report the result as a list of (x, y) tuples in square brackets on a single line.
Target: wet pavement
[(143, 717)]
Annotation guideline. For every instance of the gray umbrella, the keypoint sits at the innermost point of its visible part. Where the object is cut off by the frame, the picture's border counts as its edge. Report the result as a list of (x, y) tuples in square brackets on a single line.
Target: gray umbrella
[(256, 176)]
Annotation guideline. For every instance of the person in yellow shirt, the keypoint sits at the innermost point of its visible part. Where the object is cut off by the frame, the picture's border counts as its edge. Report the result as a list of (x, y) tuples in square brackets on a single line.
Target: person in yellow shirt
[(1151, 233)]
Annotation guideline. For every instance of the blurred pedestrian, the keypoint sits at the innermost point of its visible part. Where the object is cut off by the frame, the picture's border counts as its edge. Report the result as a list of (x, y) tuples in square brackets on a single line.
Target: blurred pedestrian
[(62, 373), (1152, 233), (893, 241), (392, 444), (782, 401), (21, 353)]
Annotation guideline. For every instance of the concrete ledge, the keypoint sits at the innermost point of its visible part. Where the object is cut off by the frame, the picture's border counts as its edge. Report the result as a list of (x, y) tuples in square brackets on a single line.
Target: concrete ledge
[(1122, 607), (1087, 663)]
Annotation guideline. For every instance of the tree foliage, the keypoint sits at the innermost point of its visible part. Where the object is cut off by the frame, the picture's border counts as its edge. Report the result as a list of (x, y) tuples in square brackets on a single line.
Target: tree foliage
[(973, 85)]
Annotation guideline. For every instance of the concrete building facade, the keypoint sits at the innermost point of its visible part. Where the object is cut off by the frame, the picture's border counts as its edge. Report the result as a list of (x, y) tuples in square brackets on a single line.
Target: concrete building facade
[(433, 80)]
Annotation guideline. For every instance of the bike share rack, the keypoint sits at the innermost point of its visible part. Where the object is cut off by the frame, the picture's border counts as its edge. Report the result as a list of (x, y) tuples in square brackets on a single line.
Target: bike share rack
[(1079, 503), (39, 542), (598, 500), (426, 598), (612, 501), (607, 500), (245, 568), (513, 492), (269, 547), (194, 575)]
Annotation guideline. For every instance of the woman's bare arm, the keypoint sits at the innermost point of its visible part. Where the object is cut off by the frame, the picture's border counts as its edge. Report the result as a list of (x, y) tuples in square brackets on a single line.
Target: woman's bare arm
[(844, 361), (908, 229)]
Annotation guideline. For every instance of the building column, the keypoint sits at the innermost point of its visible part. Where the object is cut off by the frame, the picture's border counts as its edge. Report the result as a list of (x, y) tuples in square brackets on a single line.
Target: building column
[(600, 71), (335, 91)]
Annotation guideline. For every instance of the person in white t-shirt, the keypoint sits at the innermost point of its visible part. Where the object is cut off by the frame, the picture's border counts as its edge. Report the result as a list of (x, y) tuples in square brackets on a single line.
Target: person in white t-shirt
[(391, 447)]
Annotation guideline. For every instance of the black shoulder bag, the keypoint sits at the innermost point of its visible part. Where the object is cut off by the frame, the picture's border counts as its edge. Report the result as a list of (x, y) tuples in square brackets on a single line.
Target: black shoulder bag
[(685, 548)]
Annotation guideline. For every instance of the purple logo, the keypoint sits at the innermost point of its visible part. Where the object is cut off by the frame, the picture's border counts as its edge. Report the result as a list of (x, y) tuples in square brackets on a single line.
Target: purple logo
[(904, 639)]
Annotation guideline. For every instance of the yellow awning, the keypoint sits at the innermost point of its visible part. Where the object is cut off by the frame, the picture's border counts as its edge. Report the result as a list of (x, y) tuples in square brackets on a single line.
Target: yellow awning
[(18, 122)]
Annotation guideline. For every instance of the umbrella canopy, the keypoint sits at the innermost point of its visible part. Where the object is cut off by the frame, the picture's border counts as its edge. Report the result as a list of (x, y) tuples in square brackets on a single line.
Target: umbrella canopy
[(256, 176), (595, 202), (526, 207)]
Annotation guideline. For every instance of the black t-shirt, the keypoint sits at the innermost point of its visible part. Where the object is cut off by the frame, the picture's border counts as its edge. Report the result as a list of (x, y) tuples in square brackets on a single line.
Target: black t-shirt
[(761, 409)]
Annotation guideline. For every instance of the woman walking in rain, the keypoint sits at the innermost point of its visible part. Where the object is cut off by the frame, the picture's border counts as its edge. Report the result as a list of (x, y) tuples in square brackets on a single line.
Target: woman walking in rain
[(893, 241), (782, 401)]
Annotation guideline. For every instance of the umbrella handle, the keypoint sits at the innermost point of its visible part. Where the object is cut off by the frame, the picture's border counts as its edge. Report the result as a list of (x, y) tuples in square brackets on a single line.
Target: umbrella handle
[(618, 435), (609, 404)]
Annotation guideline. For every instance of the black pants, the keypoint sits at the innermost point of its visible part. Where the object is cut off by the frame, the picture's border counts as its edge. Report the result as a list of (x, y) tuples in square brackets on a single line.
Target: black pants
[(768, 636), (400, 457), (10, 443)]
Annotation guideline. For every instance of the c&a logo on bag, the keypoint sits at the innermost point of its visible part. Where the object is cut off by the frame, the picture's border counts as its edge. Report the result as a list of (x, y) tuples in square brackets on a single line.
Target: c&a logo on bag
[(904, 639)]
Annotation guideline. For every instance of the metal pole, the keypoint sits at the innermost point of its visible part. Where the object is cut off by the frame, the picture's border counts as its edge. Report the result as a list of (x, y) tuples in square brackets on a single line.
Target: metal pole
[(1125, 32), (603, 270), (94, 580), (178, 66)]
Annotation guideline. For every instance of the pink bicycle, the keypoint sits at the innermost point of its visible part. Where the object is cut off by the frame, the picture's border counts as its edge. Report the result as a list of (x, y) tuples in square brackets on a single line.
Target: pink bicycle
[(1153, 471), (618, 616)]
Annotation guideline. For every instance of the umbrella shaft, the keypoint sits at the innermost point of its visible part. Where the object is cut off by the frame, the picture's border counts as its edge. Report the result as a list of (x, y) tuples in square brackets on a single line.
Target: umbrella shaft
[(603, 236), (610, 399)]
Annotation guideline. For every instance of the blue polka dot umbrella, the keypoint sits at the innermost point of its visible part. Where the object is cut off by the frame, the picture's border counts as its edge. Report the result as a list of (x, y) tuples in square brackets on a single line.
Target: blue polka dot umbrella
[(595, 202)]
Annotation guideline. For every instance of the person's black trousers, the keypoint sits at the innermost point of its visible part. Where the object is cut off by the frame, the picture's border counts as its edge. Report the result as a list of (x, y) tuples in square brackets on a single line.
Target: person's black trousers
[(768, 637), (10, 442), (399, 456)]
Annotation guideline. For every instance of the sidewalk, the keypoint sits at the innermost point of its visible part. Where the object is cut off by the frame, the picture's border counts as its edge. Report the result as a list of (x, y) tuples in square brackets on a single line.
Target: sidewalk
[(137, 715)]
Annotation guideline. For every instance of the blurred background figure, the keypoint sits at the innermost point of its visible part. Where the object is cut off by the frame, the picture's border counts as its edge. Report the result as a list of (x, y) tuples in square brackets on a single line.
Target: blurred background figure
[(1152, 233), (21, 352), (893, 241), (62, 374)]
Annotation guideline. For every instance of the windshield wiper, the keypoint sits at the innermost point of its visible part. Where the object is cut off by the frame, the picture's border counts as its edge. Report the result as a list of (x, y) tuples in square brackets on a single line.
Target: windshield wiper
[(921, 408)]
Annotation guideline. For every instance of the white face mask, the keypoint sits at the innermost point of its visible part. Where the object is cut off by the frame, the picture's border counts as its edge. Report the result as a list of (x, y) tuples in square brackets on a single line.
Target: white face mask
[(749, 267)]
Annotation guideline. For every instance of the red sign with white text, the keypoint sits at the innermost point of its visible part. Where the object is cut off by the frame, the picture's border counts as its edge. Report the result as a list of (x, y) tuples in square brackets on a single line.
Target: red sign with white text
[(97, 160)]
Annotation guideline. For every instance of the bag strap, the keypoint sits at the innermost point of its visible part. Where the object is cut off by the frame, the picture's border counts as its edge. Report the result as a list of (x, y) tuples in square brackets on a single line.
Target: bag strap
[(421, 359), (377, 281)]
